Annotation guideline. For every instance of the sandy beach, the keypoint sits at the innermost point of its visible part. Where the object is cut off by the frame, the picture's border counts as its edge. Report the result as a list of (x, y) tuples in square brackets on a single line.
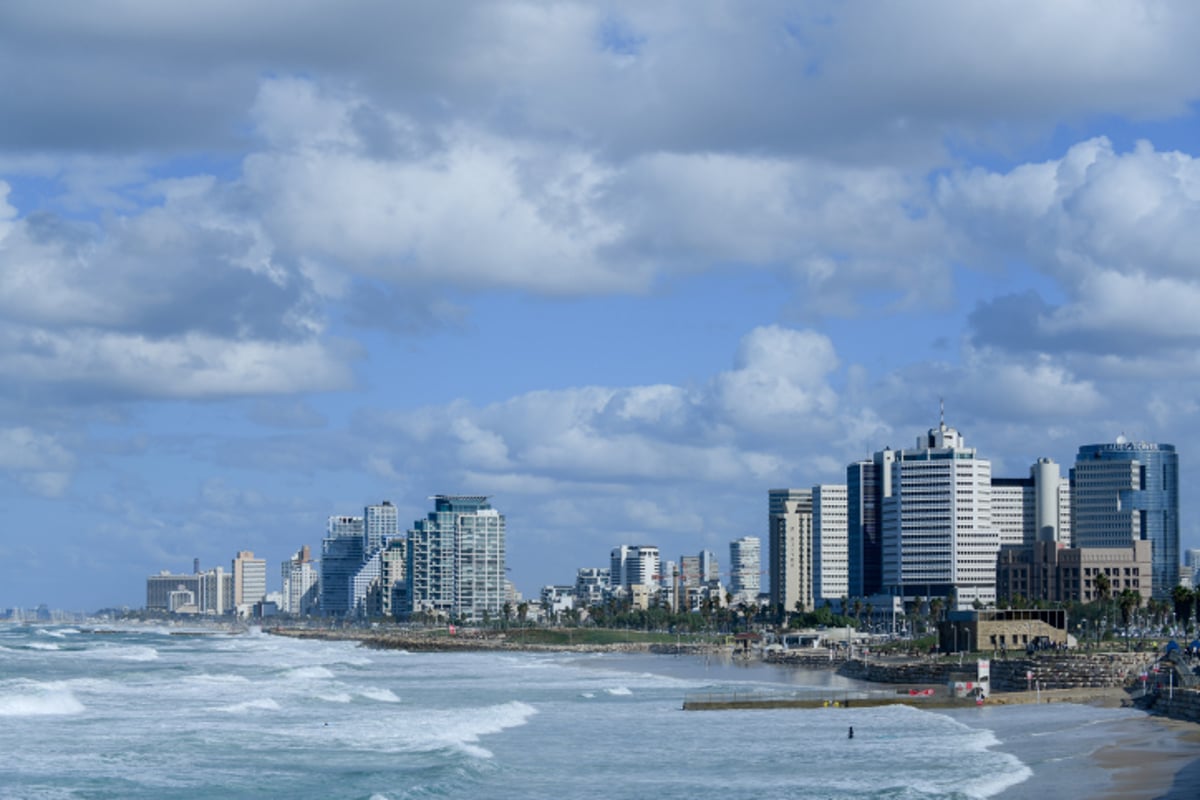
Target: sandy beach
[(1153, 758)]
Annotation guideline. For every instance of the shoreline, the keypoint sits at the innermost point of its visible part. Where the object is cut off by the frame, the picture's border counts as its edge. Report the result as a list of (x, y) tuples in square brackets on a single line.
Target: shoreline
[(1159, 758), (1148, 756)]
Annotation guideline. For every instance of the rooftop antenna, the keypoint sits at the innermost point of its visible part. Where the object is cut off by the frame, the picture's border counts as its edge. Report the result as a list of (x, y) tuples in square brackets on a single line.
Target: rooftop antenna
[(942, 412)]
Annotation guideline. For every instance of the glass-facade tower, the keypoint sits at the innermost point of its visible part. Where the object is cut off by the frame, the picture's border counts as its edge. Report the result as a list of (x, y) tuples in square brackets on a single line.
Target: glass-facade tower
[(1126, 491)]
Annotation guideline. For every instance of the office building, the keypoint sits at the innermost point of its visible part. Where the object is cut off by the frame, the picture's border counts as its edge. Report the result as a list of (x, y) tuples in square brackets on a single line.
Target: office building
[(867, 484), (342, 554), (456, 560), (1048, 572), (1032, 509), (938, 538), (1125, 492)]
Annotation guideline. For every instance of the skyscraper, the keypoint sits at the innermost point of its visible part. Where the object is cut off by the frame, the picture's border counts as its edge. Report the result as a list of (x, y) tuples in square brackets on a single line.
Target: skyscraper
[(867, 483), (634, 565), (938, 539), (380, 524), (830, 548), (341, 557), (1033, 509), (745, 563), (249, 579), (790, 548), (456, 559), (1129, 491)]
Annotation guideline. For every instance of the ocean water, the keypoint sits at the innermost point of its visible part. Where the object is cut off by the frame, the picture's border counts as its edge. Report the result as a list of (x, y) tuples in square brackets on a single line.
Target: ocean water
[(149, 713)]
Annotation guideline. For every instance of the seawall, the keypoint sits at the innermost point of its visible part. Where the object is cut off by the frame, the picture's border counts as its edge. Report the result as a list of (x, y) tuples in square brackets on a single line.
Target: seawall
[(1049, 671)]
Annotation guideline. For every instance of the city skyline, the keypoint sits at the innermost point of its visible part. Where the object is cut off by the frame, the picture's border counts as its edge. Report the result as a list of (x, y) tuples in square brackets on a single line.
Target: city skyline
[(622, 268)]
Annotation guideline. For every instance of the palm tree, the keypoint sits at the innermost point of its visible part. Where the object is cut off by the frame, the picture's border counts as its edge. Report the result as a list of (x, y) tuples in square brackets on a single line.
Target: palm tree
[(1184, 599), (935, 609), (1127, 601), (1103, 587)]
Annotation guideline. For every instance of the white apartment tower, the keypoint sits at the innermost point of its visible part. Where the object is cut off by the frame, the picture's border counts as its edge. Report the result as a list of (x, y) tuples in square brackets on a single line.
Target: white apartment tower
[(456, 560), (790, 558), (249, 579), (634, 565), (830, 542), (300, 583), (745, 563), (380, 525)]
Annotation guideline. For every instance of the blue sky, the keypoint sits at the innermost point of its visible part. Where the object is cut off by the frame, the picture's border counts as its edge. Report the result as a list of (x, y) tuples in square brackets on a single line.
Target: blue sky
[(621, 266)]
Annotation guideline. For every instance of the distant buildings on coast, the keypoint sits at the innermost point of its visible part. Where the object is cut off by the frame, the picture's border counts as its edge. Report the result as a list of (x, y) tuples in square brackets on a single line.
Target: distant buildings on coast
[(930, 521)]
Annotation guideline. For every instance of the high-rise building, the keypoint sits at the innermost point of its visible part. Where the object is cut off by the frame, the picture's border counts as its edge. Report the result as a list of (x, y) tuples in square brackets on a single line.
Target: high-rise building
[(456, 559), (249, 579), (301, 584), (1125, 492), (380, 525), (341, 556), (830, 542), (790, 548), (634, 565), (393, 565), (745, 563), (867, 484), (937, 534), (1033, 509)]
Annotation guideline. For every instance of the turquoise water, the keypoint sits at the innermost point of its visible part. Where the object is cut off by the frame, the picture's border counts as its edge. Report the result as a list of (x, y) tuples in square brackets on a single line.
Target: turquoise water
[(142, 713)]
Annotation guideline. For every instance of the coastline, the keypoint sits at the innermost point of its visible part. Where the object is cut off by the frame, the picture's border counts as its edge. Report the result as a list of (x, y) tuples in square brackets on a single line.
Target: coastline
[(1143, 755), (1157, 758)]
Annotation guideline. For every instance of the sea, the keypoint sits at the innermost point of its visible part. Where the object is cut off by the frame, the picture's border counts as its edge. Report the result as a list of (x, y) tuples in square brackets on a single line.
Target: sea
[(158, 712)]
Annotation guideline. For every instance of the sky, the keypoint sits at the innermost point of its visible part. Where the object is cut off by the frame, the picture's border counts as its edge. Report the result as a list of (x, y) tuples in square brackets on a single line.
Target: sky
[(622, 267)]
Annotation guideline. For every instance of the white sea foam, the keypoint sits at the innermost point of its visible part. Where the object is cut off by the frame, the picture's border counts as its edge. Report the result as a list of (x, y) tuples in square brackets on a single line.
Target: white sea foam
[(588, 694), (261, 704), (135, 652), (40, 702), (619, 690), (337, 697), (43, 646), (463, 733), (207, 678), (382, 695), (308, 673)]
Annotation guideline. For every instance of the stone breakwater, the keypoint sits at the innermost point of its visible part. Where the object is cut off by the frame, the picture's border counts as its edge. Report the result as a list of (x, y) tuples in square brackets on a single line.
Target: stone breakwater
[(1056, 671), (1046, 670), (427, 642)]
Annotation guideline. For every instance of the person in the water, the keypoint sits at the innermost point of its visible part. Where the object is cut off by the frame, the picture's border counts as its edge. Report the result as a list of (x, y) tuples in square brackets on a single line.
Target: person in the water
[(851, 736)]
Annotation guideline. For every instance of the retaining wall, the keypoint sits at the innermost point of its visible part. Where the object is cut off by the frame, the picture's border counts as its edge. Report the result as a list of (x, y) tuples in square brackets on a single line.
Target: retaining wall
[(1051, 671)]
